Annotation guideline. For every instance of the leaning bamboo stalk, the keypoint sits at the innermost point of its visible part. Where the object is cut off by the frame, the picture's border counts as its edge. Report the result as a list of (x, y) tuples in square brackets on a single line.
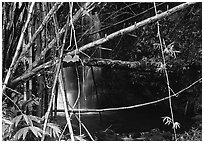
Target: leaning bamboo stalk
[(56, 26), (29, 74), (40, 28), (61, 80), (166, 73), (103, 40), (66, 107), (50, 45), (18, 48), (50, 102), (54, 84), (132, 28)]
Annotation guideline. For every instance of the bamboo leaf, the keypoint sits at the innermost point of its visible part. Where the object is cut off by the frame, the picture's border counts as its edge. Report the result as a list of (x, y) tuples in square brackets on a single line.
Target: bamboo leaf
[(25, 132), (22, 132), (7, 121), (53, 129), (16, 120), (36, 131), (35, 118), (27, 119)]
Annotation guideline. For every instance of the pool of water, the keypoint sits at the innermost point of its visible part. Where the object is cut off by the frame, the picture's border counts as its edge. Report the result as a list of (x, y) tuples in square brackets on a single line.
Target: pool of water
[(125, 121)]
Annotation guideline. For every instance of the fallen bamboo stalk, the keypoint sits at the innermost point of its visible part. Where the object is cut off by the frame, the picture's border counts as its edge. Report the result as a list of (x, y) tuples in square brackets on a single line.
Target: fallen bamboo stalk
[(132, 28), (123, 31), (134, 106)]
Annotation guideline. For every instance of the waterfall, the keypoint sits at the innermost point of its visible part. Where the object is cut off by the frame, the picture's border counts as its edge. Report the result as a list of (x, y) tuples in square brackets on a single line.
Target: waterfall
[(89, 76), (89, 79)]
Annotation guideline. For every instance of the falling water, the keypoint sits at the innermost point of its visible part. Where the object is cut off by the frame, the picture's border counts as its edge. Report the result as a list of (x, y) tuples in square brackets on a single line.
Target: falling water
[(89, 77)]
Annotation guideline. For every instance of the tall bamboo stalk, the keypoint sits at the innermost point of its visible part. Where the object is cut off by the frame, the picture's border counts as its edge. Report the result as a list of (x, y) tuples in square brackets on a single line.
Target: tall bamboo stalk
[(18, 48), (75, 18), (54, 84), (44, 45), (56, 27), (40, 28)]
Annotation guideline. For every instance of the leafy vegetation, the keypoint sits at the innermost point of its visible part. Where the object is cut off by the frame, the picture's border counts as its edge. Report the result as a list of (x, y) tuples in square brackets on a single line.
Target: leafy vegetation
[(38, 39), (17, 125)]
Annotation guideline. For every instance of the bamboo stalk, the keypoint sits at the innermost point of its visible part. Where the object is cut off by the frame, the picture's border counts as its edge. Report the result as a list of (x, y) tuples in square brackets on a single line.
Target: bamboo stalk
[(131, 28), (90, 62), (56, 26), (25, 83), (66, 107), (18, 48), (148, 66), (30, 61), (134, 106), (43, 41), (50, 45), (29, 74), (40, 28), (103, 40), (54, 85), (165, 71)]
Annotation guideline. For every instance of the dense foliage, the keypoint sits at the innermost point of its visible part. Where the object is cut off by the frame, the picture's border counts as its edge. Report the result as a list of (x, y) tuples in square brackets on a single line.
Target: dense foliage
[(24, 106)]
